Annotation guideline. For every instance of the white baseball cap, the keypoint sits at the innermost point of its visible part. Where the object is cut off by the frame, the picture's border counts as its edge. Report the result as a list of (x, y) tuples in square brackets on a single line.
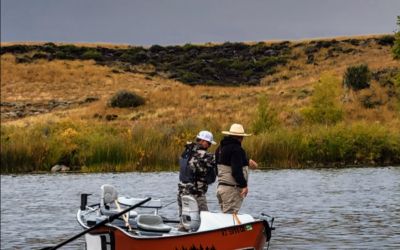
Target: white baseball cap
[(207, 136)]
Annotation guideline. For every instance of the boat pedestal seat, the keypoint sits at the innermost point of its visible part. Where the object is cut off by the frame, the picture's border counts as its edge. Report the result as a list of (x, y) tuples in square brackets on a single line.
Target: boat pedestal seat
[(151, 222)]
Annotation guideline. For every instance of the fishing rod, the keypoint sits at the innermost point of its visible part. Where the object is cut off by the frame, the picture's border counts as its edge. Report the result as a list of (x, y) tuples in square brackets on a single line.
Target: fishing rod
[(168, 204)]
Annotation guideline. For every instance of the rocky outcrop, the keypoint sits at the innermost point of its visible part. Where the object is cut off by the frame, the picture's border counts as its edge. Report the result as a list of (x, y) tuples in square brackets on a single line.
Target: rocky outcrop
[(60, 168), (222, 64), (18, 110)]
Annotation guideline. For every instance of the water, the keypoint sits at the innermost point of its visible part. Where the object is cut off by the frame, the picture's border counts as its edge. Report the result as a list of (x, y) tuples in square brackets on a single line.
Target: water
[(353, 208)]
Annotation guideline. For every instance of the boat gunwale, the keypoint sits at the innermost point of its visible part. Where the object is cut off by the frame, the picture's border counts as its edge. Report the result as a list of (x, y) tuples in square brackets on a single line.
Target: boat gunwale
[(138, 237)]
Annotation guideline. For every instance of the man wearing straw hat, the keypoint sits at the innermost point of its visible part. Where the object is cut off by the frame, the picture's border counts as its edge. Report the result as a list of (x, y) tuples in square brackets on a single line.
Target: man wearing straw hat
[(233, 170)]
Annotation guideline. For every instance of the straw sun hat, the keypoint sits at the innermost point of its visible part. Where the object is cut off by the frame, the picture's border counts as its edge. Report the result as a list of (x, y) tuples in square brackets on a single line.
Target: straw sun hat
[(236, 130)]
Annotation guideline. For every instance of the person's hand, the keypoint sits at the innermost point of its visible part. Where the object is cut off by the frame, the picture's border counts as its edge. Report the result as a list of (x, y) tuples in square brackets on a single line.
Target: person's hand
[(253, 164), (244, 192)]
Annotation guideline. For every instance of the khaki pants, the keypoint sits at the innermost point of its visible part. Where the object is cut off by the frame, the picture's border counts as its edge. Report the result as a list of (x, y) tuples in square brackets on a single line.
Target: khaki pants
[(229, 199), (201, 204)]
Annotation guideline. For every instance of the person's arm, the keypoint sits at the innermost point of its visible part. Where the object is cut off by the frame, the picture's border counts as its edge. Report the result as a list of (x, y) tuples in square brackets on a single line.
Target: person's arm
[(253, 164), (237, 164), (217, 154)]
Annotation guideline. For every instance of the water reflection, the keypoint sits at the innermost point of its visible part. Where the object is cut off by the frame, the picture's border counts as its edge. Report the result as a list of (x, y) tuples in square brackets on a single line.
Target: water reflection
[(314, 209)]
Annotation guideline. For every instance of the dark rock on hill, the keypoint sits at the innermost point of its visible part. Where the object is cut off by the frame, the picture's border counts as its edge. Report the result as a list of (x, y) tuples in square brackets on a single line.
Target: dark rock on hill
[(222, 64)]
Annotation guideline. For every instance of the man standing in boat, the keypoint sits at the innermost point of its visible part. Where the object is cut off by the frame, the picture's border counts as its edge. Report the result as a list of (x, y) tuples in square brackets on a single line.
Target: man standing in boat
[(197, 168), (233, 170)]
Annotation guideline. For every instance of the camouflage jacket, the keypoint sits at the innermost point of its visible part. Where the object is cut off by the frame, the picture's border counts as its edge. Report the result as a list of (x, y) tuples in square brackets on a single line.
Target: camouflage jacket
[(200, 163)]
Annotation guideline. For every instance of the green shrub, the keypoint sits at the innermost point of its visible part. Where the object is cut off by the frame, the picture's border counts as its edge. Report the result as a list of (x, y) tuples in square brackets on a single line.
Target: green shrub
[(266, 118), (241, 65), (271, 71), (153, 73), (208, 71), (91, 99), (23, 59), (235, 46), (386, 40), (268, 61), (50, 45), (324, 108), (385, 80), (190, 46), (283, 60), (205, 56), (70, 48), (248, 73), (303, 93), (169, 58), (39, 56), (210, 82), (253, 82), (285, 78), (354, 42), (357, 77), (310, 50), (152, 62), (223, 63), (62, 56), (135, 50), (349, 50), (286, 51), (337, 49), (187, 77), (156, 48), (368, 102), (125, 57), (92, 54), (258, 48), (126, 99), (141, 55)]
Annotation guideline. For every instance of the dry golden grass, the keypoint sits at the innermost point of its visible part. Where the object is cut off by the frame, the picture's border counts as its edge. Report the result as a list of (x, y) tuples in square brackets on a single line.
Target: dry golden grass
[(42, 81)]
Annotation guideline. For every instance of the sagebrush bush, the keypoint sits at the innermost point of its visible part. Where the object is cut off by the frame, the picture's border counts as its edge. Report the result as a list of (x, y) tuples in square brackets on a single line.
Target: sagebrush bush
[(91, 54), (386, 40), (357, 77), (258, 48), (190, 46), (271, 71), (126, 99), (324, 107), (156, 48)]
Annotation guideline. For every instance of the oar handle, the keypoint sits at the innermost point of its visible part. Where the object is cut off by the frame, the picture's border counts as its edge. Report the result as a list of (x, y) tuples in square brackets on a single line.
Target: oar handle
[(102, 223)]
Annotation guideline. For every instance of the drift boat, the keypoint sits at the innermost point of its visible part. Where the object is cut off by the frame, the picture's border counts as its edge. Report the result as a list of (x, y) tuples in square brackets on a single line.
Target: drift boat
[(138, 229)]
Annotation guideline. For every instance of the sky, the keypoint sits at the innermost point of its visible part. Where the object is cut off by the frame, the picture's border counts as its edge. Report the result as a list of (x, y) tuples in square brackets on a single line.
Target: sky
[(169, 22)]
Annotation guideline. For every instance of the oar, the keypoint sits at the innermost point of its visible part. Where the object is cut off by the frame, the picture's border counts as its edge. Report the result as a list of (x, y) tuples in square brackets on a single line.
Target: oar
[(237, 219), (100, 224), (126, 220)]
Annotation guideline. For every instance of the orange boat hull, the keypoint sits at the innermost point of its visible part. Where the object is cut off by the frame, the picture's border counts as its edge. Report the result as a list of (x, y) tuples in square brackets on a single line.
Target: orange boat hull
[(247, 236)]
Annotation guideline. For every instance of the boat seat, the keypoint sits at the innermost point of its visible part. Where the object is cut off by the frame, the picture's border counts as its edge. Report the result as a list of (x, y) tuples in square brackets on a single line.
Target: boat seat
[(108, 195), (150, 222)]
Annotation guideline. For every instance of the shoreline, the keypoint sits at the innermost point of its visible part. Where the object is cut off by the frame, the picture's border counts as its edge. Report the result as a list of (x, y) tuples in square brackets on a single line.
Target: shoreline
[(177, 170)]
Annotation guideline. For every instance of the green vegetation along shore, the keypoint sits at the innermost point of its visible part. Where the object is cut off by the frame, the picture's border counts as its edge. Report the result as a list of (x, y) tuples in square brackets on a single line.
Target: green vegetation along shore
[(307, 103)]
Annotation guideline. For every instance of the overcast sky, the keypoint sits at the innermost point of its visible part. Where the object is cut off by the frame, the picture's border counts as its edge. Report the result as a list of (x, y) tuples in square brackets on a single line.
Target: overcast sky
[(165, 22)]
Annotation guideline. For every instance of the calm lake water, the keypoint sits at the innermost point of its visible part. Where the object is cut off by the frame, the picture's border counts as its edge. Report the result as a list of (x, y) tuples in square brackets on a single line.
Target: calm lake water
[(351, 208)]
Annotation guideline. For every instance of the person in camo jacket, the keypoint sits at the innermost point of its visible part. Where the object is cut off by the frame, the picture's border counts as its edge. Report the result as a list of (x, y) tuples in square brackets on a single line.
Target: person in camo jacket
[(200, 162)]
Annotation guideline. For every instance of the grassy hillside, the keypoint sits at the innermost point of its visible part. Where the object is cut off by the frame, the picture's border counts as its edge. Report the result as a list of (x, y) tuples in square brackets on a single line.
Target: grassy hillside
[(54, 103)]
